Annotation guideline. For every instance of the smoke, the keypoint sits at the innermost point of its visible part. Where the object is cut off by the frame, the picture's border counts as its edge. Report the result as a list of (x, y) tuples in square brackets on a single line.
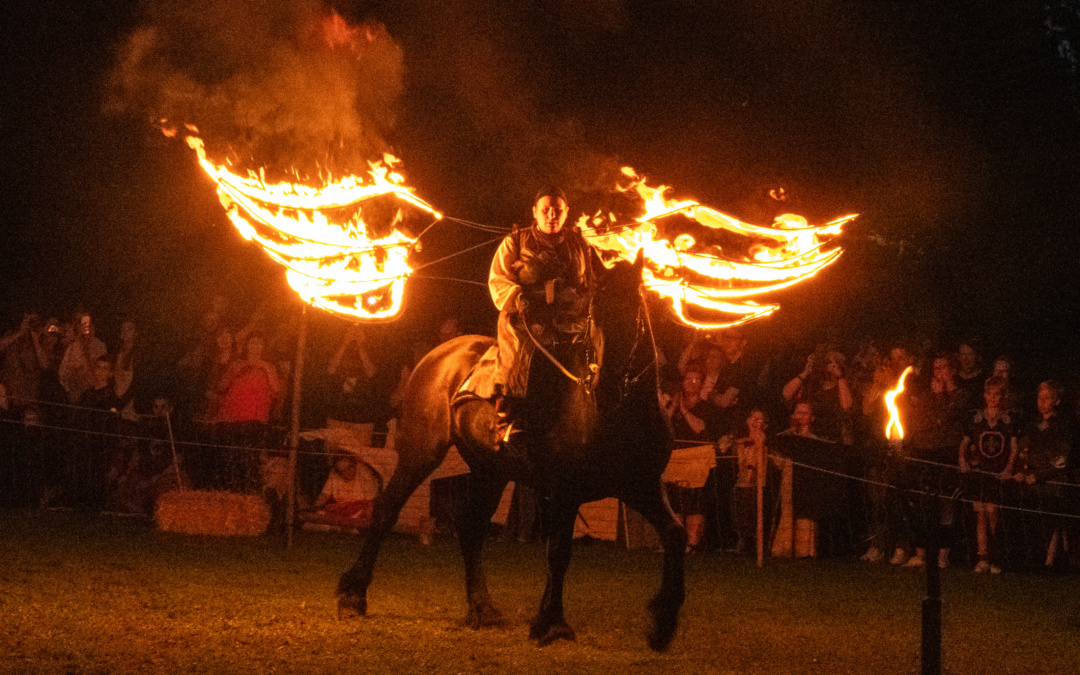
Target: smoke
[(281, 85), (504, 75)]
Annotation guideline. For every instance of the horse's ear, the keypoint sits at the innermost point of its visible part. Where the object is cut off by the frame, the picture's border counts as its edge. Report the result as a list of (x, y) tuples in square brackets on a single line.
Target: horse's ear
[(639, 261)]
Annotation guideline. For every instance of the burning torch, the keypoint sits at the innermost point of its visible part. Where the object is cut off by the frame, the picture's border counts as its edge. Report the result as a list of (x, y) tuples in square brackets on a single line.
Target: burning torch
[(894, 431)]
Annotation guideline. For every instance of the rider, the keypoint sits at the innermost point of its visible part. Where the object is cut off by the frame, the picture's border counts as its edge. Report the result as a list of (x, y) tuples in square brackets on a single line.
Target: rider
[(544, 275)]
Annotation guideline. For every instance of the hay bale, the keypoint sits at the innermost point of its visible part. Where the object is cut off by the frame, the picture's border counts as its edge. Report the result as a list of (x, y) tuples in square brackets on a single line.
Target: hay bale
[(217, 513)]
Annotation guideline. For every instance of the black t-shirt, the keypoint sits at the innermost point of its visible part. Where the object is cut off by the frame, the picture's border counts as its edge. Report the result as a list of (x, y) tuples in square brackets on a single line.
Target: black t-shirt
[(707, 412), (990, 445), (938, 422), (1045, 448)]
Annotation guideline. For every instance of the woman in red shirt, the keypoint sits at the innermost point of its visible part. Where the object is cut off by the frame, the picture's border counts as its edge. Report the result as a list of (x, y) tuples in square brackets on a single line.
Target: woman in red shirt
[(248, 390)]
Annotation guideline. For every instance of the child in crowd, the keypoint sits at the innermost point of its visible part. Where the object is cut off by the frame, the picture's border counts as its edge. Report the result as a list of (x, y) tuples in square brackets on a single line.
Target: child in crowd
[(347, 497), (987, 458)]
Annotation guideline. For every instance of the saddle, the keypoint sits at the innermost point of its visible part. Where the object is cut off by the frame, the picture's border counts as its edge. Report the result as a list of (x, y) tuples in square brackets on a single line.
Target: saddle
[(480, 382)]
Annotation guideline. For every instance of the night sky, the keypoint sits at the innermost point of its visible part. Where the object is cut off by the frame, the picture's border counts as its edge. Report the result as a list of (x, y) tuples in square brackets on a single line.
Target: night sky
[(950, 126)]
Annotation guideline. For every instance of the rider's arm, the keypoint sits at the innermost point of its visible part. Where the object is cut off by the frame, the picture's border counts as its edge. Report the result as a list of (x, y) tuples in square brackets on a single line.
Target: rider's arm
[(503, 280)]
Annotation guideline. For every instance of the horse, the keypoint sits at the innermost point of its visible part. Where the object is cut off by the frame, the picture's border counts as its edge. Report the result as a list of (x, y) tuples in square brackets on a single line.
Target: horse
[(585, 444)]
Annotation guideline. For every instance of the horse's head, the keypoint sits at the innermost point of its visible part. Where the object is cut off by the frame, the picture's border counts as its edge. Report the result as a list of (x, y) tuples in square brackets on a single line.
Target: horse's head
[(619, 295), (617, 310)]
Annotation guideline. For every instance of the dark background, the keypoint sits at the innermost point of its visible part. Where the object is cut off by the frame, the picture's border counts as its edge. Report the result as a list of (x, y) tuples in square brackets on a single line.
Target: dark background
[(951, 127)]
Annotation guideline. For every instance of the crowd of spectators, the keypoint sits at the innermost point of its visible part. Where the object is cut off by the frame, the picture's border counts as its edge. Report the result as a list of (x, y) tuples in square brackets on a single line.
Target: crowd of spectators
[(109, 425), (986, 462), (987, 468)]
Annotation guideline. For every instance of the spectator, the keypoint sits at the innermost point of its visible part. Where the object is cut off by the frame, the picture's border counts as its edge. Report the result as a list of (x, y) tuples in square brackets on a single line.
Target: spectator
[(692, 417), (736, 388), (77, 369), (987, 458), (824, 385), (1003, 370), (935, 422), (127, 369), (52, 350), (749, 449), (352, 372), (347, 497), (248, 389), (213, 372), (24, 358), (1044, 454), (794, 537), (153, 468), (93, 452), (706, 353), (970, 373)]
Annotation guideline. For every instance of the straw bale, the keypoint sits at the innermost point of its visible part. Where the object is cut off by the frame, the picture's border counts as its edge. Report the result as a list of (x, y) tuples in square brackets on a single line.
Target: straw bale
[(217, 513)]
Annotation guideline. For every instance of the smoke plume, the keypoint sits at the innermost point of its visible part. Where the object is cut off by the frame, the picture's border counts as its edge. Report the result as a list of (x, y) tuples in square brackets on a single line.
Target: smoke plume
[(280, 85)]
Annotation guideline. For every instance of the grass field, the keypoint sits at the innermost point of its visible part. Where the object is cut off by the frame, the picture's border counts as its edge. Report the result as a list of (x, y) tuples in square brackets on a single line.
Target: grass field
[(95, 594)]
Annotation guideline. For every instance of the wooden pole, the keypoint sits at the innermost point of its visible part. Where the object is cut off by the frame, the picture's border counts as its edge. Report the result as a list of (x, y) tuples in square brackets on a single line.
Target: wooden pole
[(760, 505), (294, 432), (175, 458)]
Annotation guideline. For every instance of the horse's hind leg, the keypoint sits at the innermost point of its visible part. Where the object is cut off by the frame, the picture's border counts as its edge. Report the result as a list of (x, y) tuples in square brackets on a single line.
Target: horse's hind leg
[(664, 608), (485, 489), (550, 624), (352, 588)]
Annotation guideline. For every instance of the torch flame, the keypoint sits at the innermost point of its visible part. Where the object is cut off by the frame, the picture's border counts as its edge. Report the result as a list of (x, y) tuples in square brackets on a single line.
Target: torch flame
[(893, 430), (338, 266), (693, 275)]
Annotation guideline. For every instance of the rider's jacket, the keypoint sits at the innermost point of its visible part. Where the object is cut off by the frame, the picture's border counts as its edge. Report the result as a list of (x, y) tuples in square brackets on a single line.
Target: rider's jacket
[(553, 272)]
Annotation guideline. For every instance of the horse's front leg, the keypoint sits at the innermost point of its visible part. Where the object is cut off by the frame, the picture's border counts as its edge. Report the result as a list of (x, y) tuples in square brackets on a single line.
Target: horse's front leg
[(410, 473), (652, 504), (550, 624), (485, 489)]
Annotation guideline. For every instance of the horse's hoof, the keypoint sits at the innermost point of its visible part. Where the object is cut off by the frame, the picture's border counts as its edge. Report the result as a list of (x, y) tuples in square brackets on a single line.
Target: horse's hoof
[(664, 623), (547, 632), (660, 637), (351, 606), (483, 615)]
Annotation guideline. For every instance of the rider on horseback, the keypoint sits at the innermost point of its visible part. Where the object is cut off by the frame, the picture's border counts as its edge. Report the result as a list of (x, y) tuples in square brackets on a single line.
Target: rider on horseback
[(542, 283)]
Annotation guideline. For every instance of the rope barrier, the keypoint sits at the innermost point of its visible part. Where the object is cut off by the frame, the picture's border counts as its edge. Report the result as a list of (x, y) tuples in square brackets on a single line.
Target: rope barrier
[(108, 411), (838, 474), (988, 473), (195, 444), (920, 492)]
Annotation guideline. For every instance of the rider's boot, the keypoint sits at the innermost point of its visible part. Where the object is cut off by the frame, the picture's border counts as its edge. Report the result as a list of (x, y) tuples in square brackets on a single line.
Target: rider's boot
[(510, 427)]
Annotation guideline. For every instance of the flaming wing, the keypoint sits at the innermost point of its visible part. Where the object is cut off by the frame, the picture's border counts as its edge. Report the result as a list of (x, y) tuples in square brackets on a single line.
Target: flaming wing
[(702, 276), (320, 236)]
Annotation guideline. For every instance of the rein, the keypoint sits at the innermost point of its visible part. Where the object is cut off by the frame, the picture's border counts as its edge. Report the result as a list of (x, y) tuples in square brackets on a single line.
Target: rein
[(628, 381), (551, 357)]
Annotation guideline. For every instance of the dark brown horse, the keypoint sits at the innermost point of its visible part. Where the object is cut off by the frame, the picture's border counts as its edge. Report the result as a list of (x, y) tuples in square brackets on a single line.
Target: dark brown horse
[(583, 445)]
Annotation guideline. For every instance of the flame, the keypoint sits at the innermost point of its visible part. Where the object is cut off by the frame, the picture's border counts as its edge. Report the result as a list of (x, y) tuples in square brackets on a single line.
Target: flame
[(692, 275), (893, 430), (319, 235)]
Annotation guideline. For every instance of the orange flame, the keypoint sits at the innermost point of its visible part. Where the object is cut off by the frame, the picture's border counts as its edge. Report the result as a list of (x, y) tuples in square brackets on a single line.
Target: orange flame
[(691, 275), (319, 235), (893, 430)]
